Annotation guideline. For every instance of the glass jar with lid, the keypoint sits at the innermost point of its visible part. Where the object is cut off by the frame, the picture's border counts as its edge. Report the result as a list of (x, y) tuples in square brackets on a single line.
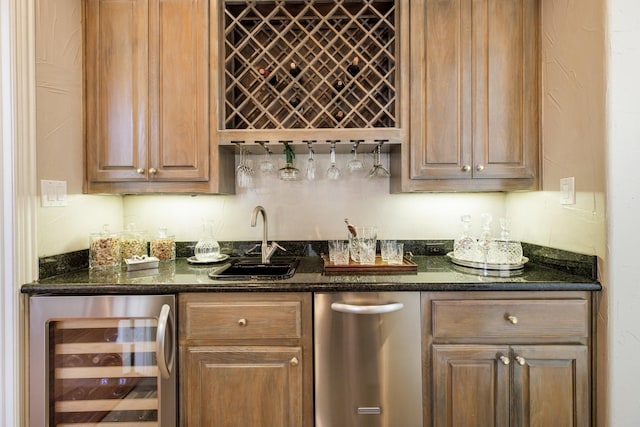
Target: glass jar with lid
[(163, 246), (132, 242), (104, 249)]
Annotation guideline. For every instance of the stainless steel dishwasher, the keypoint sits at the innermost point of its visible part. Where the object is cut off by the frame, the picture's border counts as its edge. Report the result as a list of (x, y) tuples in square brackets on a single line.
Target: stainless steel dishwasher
[(367, 359)]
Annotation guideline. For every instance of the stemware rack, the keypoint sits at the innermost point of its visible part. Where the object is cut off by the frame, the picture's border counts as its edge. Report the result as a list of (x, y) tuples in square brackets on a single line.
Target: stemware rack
[(263, 41)]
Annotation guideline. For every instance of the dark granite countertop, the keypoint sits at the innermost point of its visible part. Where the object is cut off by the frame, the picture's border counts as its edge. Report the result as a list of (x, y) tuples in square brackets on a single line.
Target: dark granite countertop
[(435, 273)]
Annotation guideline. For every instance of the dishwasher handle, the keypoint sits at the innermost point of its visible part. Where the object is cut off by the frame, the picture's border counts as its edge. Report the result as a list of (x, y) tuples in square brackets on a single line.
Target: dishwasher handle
[(343, 307)]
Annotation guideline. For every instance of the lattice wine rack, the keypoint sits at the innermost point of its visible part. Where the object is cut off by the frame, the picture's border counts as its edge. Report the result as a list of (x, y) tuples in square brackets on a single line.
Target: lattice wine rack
[(310, 64)]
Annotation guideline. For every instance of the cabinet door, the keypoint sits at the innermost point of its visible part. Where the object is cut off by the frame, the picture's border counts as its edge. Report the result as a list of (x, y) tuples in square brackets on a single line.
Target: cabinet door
[(505, 88), (475, 71), (550, 386), (470, 386), (116, 98), (242, 386), (179, 90)]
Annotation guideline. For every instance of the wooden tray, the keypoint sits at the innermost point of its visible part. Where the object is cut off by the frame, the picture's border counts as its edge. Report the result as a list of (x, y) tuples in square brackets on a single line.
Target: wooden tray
[(380, 267)]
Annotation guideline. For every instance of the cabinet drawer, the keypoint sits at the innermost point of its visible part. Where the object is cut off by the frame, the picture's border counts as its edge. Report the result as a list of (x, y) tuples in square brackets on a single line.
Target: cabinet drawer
[(242, 320), (510, 318)]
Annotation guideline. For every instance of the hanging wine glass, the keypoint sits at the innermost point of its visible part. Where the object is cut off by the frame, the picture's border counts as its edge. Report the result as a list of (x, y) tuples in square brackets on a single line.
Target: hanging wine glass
[(333, 172), (266, 164), (311, 163), (244, 171), (378, 171), (355, 164)]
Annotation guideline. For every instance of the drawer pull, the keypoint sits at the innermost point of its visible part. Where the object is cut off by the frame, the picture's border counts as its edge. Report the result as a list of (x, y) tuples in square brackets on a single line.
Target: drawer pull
[(294, 361), (242, 322), (512, 319), (504, 359), (521, 360)]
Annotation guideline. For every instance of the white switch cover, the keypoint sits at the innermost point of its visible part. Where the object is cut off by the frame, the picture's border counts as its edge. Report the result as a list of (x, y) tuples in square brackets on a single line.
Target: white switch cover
[(53, 193), (567, 191)]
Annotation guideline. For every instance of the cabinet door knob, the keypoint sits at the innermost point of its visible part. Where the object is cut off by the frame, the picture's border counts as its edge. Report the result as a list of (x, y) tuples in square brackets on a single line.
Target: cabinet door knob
[(140, 171), (466, 168), (153, 171), (512, 319), (480, 168), (521, 360), (294, 361), (242, 322), (504, 359)]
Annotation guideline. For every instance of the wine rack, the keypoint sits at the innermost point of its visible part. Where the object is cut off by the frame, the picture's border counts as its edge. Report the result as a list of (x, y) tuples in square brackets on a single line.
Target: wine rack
[(310, 65)]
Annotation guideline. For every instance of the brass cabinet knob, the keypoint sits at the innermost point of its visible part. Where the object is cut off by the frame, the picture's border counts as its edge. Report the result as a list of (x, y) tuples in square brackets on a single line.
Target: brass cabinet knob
[(466, 168), (480, 168), (242, 322), (140, 171), (504, 359), (521, 360), (512, 319), (294, 361), (153, 171)]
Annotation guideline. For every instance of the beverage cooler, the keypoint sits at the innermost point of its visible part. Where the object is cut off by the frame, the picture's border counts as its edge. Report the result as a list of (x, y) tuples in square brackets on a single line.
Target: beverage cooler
[(102, 360)]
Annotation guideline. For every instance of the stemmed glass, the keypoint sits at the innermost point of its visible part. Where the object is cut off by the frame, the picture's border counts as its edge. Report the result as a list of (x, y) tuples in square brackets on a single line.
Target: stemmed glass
[(266, 164), (355, 164), (333, 172), (378, 171), (244, 171), (311, 164)]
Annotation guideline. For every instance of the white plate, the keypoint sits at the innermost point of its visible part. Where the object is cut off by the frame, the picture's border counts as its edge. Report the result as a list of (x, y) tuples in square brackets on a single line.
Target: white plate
[(194, 260)]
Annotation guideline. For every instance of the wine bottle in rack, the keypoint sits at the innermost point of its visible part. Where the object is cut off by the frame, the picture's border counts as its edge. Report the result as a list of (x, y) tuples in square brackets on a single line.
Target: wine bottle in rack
[(354, 67), (294, 70), (338, 115), (267, 74), (338, 85), (294, 101)]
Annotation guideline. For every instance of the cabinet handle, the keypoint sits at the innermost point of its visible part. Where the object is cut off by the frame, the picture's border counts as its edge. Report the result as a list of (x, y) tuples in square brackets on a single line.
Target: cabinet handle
[(521, 360), (294, 361), (480, 168), (466, 168), (153, 171), (140, 171), (504, 359), (512, 319), (242, 322)]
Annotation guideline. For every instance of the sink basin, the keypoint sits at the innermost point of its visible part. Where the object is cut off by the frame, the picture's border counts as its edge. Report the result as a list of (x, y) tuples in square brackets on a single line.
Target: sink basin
[(249, 268)]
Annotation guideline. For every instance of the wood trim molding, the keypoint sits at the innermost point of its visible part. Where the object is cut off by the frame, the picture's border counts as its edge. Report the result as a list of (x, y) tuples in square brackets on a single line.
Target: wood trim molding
[(18, 196)]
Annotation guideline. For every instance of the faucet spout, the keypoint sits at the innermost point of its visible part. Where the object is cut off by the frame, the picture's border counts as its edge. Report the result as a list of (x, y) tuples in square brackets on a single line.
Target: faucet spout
[(267, 250)]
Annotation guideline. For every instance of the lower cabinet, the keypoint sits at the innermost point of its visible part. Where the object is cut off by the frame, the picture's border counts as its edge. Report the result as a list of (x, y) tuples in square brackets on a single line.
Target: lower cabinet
[(504, 359), (246, 360)]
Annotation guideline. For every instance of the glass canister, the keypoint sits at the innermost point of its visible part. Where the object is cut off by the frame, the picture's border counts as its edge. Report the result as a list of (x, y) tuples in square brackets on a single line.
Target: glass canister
[(163, 246), (104, 249), (132, 243)]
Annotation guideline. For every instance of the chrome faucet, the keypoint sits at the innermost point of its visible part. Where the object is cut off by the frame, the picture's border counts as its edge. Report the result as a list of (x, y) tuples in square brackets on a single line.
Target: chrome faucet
[(266, 248)]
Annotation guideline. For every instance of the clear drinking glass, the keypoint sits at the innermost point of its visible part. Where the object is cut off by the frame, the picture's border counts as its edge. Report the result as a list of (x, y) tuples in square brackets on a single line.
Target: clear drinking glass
[(341, 254), (396, 253), (384, 249)]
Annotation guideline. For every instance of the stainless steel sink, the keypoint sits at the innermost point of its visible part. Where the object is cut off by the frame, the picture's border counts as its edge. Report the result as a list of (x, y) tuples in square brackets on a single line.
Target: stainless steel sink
[(255, 269)]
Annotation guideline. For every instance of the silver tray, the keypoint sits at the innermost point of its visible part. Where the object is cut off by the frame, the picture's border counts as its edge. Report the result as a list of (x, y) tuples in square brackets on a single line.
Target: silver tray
[(488, 265)]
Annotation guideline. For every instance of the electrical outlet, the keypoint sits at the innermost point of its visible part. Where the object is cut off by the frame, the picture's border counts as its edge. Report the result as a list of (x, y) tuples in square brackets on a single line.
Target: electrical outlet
[(436, 248)]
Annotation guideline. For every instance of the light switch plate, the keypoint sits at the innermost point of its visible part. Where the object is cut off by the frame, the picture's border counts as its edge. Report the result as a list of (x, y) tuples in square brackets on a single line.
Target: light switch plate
[(567, 191), (53, 193)]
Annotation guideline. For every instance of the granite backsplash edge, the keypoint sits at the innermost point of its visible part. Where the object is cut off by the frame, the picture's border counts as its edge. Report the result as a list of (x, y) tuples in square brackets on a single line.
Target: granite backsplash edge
[(570, 262)]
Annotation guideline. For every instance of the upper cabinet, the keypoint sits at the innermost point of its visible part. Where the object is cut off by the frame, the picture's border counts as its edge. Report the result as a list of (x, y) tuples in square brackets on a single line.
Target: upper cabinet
[(147, 99), (475, 77)]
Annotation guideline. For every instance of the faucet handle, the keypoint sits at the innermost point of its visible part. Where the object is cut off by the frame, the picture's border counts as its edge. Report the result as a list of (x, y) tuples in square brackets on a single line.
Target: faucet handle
[(275, 245)]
